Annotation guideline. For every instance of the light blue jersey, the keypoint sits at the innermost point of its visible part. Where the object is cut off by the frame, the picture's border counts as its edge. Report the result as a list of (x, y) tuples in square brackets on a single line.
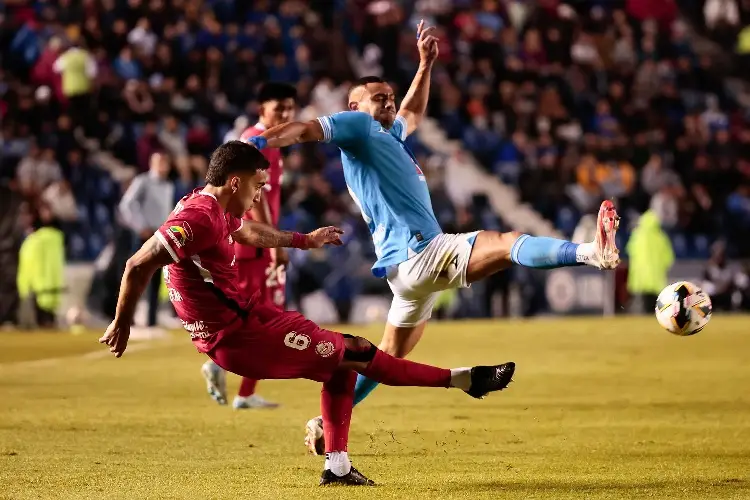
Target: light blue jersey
[(386, 182)]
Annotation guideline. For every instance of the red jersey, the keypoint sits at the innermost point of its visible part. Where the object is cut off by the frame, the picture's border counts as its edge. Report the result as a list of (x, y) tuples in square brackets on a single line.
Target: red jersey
[(272, 188), (202, 281)]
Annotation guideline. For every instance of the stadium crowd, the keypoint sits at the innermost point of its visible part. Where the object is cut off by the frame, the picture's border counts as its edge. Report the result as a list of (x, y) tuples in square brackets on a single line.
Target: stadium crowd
[(568, 102)]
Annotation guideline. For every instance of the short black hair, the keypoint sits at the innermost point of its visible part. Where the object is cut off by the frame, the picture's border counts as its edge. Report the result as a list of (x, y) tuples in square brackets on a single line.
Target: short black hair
[(276, 91), (232, 157), (362, 82)]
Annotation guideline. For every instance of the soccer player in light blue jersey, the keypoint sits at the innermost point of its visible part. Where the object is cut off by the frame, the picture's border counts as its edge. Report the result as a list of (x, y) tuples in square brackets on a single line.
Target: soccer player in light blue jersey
[(414, 255)]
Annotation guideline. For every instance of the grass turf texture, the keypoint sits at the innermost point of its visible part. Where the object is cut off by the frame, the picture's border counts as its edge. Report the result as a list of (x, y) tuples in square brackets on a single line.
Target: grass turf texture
[(600, 409)]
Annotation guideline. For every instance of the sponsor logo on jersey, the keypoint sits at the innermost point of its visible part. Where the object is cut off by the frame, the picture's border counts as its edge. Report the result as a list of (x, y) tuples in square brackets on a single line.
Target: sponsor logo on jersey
[(325, 348), (197, 329), (181, 234)]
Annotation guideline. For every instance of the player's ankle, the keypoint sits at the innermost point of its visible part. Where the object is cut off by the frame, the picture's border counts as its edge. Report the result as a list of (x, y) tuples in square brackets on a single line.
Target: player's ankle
[(586, 254), (338, 463), (461, 378)]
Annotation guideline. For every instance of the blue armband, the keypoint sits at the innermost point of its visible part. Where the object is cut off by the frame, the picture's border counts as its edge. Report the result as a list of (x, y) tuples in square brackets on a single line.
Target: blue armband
[(258, 141)]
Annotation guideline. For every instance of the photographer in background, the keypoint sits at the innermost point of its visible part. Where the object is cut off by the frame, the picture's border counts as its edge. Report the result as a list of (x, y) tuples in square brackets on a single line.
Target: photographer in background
[(145, 205)]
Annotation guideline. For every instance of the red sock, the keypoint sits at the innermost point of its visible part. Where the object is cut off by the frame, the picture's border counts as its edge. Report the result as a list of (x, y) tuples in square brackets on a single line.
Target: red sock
[(336, 407), (247, 387), (388, 370)]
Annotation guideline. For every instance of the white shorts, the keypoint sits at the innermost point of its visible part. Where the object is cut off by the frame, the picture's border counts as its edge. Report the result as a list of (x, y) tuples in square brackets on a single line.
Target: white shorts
[(417, 282)]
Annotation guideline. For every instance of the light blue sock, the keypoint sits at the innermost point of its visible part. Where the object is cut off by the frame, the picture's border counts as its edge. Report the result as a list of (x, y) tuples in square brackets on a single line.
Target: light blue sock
[(363, 388), (544, 253)]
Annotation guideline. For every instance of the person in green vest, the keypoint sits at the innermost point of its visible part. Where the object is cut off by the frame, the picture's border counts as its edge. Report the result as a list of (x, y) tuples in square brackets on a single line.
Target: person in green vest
[(650, 258), (78, 70), (41, 268)]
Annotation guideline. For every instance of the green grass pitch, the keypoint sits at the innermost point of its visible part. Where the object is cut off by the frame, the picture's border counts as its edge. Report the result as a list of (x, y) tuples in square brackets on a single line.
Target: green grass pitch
[(600, 409)]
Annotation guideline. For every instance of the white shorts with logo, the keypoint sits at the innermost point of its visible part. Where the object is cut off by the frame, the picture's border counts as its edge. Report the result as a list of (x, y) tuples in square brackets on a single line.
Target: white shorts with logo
[(417, 282)]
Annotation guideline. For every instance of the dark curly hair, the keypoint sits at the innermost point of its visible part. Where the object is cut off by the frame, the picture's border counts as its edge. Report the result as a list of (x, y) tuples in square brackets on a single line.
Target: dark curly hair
[(234, 156)]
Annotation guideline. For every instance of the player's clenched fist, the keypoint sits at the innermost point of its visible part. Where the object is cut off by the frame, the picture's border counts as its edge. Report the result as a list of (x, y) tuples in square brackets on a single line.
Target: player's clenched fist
[(329, 235), (427, 43), (116, 337)]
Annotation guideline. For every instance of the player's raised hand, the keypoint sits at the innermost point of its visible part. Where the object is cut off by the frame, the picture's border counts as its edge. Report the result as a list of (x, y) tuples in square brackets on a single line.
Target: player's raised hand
[(329, 235), (427, 43), (116, 337)]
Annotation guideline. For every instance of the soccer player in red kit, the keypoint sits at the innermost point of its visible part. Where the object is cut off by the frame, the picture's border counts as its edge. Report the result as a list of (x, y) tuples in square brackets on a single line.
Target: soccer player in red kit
[(260, 269), (246, 336)]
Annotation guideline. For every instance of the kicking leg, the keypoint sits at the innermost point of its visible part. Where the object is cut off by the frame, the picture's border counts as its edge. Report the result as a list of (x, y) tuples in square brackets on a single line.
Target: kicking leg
[(398, 341), (363, 357), (495, 251)]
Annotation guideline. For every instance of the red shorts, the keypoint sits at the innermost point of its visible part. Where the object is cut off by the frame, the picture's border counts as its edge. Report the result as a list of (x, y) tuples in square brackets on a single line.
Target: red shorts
[(257, 274), (274, 344)]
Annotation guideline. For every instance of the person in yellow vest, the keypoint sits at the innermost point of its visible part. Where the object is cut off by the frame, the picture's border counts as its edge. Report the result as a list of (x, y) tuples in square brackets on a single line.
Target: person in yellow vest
[(41, 268), (78, 70), (650, 258)]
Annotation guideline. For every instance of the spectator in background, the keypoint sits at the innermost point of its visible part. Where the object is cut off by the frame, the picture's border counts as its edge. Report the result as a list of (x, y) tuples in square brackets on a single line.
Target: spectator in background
[(147, 145), (722, 20), (172, 138), (61, 202), (143, 208), (37, 171), (719, 278), (78, 69), (240, 124), (651, 257), (142, 38), (41, 269), (656, 177)]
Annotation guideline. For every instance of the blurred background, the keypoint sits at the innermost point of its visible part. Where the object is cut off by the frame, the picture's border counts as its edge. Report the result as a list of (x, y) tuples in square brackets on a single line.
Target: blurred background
[(539, 110)]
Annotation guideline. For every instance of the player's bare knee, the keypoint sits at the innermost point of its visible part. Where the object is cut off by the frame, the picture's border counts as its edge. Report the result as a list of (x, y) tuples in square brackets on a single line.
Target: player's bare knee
[(500, 244), (358, 349), (507, 240)]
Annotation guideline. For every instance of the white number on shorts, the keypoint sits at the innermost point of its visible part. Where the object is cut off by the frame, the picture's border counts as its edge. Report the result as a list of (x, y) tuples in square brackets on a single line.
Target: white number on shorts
[(298, 341)]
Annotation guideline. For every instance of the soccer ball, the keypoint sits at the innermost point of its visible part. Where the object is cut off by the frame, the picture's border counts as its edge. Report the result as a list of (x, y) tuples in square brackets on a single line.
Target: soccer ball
[(683, 308)]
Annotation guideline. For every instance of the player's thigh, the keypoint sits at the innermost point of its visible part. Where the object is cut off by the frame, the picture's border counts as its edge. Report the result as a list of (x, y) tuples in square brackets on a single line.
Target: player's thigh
[(491, 254), (441, 265), (276, 344)]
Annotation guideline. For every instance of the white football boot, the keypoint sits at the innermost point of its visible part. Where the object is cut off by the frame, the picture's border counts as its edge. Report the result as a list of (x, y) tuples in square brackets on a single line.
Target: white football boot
[(314, 439), (253, 401), (216, 381)]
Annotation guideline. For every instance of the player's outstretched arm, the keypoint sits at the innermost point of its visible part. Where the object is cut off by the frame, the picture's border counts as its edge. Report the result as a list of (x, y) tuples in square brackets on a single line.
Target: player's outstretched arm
[(414, 105), (288, 134), (264, 236), (151, 257)]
